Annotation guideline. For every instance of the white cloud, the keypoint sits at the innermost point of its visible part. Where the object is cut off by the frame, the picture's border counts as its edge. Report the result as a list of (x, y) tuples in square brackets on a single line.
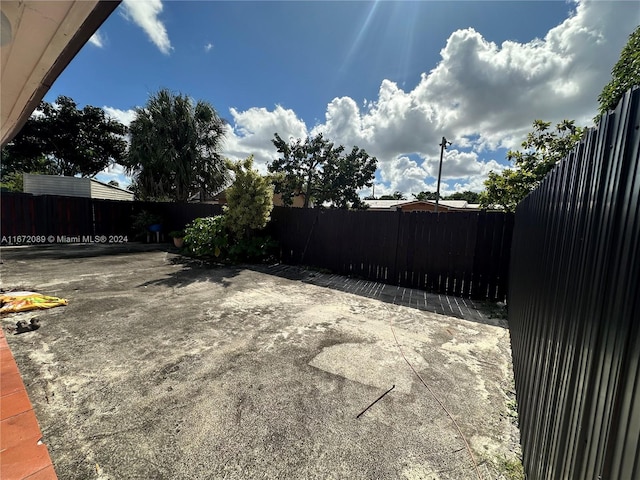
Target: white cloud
[(458, 164), (114, 172), (498, 90), (123, 116), (481, 95), (117, 171), (253, 130), (145, 13), (208, 47), (97, 39), (403, 174)]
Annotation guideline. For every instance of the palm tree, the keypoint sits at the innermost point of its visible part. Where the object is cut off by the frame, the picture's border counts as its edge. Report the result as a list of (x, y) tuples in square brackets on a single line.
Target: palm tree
[(175, 148)]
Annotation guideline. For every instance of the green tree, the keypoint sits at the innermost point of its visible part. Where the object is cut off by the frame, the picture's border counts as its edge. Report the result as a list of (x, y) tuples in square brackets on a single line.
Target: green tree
[(624, 75), (426, 195), (321, 172), (12, 170), (543, 148), (249, 199), (394, 196), (63, 140), (12, 182), (468, 195), (175, 148)]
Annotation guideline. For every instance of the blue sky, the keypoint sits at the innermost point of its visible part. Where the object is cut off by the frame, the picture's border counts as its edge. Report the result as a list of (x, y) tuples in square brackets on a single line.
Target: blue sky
[(390, 77)]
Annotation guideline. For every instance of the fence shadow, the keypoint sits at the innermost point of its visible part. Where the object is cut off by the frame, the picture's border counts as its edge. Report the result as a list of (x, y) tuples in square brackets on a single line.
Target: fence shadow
[(474, 311)]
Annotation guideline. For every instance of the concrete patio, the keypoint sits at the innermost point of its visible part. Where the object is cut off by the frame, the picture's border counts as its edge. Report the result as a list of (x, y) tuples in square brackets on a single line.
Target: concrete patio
[(164, 367)]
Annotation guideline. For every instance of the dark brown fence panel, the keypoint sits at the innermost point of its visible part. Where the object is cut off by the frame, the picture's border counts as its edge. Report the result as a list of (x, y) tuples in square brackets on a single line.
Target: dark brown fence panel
[(175, 215), (116, 217), (44, 216), (574, 308), (47, 215), (18, 215), (112, 217), (436, 252), (292, 227), (70, 216)]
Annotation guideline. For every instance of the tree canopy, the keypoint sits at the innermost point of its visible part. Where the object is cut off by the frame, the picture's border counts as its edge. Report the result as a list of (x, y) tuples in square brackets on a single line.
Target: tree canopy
[(543, 148), (468, 195), (397, 195), (321, 171), (425, 195), (61, 139), (175, 150), (624, 75)]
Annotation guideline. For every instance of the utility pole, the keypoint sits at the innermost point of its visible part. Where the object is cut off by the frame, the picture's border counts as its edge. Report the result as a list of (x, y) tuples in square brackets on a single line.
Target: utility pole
[(443, 147)]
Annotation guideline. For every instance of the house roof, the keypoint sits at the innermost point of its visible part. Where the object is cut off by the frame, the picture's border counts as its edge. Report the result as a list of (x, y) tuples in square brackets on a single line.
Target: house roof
[(385, 204), (395, 204), (110, 186), (39, 39), (453, 203), (39, 184)]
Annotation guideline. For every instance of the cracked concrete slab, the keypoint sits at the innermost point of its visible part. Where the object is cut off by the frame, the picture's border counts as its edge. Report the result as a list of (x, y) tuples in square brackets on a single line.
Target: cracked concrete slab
[(162, 367)]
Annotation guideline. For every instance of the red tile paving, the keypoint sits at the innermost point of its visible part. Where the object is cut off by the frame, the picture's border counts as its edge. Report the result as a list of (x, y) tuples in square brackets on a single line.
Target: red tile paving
[(47, 473), (22, 455), (14, 403)]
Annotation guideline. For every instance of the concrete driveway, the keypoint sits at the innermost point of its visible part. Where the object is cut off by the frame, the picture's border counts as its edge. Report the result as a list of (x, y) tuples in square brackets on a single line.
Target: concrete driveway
[(163, 368)]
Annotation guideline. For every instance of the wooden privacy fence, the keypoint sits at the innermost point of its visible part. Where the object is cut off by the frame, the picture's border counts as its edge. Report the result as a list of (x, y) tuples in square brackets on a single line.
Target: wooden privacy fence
[(460, 253), (574, 308), (28, 218), (464, 254)]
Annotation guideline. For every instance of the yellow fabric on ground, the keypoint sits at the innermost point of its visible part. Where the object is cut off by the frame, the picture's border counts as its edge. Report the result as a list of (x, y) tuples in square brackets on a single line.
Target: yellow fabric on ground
[(23, 301)]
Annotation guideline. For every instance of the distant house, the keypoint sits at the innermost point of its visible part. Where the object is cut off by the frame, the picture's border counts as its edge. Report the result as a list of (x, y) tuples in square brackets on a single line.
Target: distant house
[(421, 205), (73, 187), (296, 201)]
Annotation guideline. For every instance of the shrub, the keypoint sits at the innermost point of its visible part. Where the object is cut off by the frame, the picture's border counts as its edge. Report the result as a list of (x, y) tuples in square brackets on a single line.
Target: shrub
[(253, 249), (207, 237), (249, 200)]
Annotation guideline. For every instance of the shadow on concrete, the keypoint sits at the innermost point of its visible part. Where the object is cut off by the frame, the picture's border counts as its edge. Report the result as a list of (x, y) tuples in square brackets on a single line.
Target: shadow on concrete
[(79, 250), (464, 308), (195, 271)]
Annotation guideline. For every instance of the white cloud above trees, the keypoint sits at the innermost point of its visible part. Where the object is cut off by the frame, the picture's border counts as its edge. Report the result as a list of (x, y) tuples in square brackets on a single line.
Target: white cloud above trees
[(252, 131), (146, 14), (481, 95), (123, 116)]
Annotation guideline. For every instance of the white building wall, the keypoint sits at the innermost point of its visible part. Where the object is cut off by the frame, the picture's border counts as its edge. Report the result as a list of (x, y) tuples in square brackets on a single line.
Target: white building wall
[(100, 190), (72, 187), (56, 185)]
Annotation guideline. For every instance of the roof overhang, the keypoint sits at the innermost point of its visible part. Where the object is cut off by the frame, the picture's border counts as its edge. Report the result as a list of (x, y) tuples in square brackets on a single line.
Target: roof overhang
[(38, 40)]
